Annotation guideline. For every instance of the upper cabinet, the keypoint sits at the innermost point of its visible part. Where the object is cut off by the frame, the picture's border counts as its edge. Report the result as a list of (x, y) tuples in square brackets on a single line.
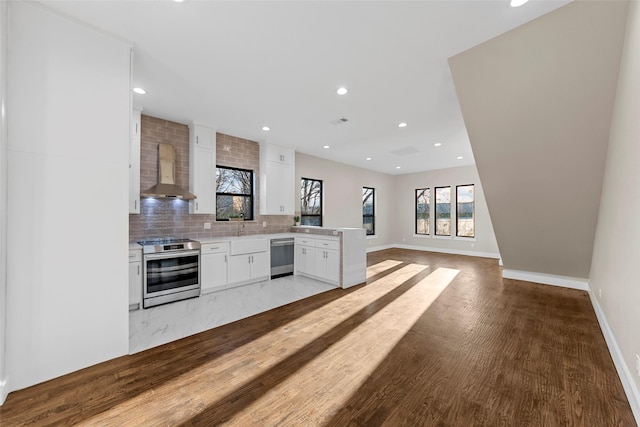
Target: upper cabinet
[(134, 163), (277, 180), (202, 169), (277, 154)]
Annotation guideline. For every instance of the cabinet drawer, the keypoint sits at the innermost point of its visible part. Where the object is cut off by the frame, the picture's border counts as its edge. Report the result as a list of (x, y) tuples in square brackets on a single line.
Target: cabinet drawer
[(304, 242), (328, 244), (249, 246), (214, 248), (135, 255)]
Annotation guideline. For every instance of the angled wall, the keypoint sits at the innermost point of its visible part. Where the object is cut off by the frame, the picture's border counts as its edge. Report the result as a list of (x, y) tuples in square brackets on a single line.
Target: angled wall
[(537, 103)]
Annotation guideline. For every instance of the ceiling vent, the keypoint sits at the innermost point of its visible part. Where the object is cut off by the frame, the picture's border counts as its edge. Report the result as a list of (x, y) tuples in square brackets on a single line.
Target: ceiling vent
[(339, 121), (406, 151)]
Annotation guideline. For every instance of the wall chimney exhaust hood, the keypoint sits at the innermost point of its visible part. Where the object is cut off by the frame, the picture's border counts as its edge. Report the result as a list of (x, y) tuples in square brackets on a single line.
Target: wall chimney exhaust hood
[(166, 186)]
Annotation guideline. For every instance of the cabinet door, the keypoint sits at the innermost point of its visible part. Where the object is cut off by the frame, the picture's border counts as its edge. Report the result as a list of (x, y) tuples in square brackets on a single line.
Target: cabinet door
[(134, 163), (213, 270), (278, 199), (239, 268), (205, 137), (286, 189), (301, 260), (332, 265), (203, 165), (260, 264), (287, 156), (135, 284)]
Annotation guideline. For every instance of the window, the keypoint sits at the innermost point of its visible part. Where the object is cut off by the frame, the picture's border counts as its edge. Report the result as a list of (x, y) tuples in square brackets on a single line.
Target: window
[(311, 202), (443, 211), (368, 210), (423, 211), (234, 193), (465, 211)]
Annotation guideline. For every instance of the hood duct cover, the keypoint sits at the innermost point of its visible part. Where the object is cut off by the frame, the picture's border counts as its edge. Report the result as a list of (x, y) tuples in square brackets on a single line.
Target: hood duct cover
[(166, 186)]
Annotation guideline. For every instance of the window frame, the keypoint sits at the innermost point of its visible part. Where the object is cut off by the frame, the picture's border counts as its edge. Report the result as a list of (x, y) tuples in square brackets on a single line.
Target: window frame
[(251, 196), (473, 217), (373, 211), (415, 195), (321, 197), (435, 223)]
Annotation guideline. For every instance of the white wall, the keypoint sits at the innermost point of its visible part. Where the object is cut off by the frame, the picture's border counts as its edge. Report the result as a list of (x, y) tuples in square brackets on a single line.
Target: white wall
[(3, 196), (395, 213), (68, 132), (342, 185), (617, 245), (484, 244)]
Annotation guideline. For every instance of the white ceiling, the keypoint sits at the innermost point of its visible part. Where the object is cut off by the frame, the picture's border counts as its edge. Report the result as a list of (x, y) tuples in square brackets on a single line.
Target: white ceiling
[(240, 65)]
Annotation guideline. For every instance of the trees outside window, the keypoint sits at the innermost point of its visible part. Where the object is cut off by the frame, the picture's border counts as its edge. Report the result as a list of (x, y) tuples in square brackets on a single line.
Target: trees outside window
[(368, 210), (465, 211), (443, 211), (423, 211), (311, 202), (234, 193)]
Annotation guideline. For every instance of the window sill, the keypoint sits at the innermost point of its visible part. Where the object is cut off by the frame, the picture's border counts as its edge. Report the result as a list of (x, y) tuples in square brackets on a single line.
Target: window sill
[(371, 236), (422, 236), (442, 237), (465, 239)]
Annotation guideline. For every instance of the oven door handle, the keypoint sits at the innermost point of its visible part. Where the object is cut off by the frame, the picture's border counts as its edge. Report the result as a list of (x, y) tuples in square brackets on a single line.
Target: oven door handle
[(171, 255)]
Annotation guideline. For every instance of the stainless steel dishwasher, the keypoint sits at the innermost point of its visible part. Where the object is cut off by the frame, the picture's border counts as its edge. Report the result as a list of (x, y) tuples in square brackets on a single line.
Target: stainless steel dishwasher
[(281, 257)]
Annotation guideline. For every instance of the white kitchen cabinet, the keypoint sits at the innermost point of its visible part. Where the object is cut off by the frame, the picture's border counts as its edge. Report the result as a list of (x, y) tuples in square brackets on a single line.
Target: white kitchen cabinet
[(135, 279), (277, 180), (249, 267), (202, 169), (134, 162), (318, 258), (278, 154), (249, 260), (213, 265)]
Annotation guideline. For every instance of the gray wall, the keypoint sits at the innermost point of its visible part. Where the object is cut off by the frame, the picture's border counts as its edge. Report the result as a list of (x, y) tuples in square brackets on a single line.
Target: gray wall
[(617, 247), (537, 102)]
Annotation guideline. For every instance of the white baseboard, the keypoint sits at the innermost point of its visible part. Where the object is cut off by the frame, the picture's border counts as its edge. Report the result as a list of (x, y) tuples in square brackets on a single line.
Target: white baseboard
[(3, 391), (378, 248), (629, 386), (546, 279), (449, 251)]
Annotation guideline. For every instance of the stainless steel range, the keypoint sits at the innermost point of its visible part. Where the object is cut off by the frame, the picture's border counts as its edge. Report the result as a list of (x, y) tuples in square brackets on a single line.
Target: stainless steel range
[(170, 270)]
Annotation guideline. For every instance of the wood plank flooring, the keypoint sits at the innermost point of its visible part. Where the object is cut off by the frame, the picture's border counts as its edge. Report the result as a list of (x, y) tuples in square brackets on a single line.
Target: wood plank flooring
[(430, 340)]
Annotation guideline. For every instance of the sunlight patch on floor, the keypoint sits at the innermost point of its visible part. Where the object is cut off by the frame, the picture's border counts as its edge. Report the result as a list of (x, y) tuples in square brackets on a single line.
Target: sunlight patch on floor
[(381, 267), (364, 349), (229, 372)]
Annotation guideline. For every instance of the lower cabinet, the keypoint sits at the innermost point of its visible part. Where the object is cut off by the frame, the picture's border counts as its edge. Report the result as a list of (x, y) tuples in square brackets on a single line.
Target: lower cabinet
[(318, 258), (213, 265), (246, 267), (249, 260), (135, 279)]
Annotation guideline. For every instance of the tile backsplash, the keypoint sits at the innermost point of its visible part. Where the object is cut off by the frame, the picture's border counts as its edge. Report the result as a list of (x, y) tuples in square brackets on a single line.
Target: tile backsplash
[(170, 217)]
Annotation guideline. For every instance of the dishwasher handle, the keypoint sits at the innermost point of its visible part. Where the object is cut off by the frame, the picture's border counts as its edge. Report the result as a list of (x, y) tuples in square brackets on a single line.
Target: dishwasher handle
[(281, 242)]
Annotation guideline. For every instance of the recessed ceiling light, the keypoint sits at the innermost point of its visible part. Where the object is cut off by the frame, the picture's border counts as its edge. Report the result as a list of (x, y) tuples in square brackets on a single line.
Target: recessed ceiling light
[(397, 167), (139, 90), (459, 157), (326, 146), (402, 125), (368, 158), (178, 1), (437, 144), (342, 91), (266, 128), (517, 3)]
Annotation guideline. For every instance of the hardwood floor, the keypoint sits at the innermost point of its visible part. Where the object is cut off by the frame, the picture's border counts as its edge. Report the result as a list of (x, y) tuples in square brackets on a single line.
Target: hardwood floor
[(431, 340)]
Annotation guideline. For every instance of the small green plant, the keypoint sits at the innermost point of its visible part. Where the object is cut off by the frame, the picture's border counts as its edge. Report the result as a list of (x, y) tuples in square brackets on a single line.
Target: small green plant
[(296, 220)]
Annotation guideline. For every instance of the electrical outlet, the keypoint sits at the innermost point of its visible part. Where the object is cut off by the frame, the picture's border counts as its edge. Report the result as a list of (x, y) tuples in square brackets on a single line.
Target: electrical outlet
[(600, 293), (207, 226), (638, 364), (264, 224)]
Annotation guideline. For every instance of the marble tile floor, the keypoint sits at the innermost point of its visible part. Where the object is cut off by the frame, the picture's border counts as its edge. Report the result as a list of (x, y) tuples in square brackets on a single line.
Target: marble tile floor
[(162, 324)]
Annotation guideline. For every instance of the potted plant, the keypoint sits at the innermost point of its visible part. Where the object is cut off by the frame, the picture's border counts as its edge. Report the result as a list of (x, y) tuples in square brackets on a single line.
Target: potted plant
[(296, 220)]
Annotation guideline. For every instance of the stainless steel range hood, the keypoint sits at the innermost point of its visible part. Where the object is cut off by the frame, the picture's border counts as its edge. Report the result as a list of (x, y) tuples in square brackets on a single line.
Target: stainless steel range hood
[(166, 186)]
